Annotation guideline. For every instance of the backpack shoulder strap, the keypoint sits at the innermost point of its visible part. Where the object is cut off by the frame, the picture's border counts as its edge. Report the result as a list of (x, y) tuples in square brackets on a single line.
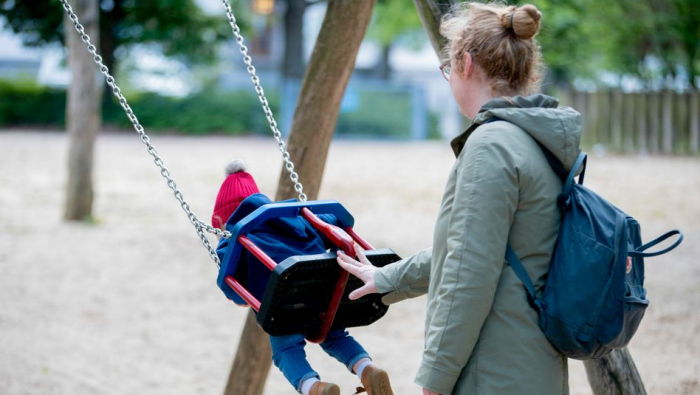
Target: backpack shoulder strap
[(519, 270), (580, 161)]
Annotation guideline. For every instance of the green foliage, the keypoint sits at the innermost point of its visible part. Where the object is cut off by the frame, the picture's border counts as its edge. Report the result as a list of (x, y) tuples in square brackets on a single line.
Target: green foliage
[(179, 27), (667, 30), (568, 44), (581, 37), (379, 114), (209, 111), (392, 19), (25, 103)]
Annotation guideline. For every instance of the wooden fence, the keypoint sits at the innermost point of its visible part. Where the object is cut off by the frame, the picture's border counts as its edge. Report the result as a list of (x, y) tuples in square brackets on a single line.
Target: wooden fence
[(655, 122)]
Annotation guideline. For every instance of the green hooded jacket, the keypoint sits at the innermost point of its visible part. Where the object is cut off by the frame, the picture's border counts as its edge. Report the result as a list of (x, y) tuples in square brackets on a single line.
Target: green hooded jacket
[(481, 335)]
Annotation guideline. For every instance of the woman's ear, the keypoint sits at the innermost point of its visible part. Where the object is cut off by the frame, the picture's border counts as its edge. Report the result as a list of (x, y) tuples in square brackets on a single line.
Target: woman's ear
[(468, 65)]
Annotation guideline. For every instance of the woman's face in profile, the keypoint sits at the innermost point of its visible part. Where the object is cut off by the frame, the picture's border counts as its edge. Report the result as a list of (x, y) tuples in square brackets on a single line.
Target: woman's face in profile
[(459, 85)]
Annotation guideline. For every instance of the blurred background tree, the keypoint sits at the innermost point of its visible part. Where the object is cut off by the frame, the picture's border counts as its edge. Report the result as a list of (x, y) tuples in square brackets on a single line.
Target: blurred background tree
[(179, 28), (588, 46), (656, 41), (393, 20)]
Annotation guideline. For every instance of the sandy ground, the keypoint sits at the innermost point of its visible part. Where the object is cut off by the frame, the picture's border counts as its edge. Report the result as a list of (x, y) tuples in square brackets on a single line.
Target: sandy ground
[(130, 306)]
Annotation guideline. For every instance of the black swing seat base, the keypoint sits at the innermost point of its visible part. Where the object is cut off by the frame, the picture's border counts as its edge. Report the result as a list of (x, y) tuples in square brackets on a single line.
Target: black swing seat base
[(300, 289)]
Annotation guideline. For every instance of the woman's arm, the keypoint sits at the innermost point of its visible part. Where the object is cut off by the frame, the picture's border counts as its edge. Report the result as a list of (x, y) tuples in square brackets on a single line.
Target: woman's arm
[(407, 278), (404, 279), (465, 282)]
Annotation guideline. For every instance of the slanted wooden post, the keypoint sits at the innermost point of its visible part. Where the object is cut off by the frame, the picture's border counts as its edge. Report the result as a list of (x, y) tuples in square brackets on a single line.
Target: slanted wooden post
[(322, 90), (615, 374), (431, 13)]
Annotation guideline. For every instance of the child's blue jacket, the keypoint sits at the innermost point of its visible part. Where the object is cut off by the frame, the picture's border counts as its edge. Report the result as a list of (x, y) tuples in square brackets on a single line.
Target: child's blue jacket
[(279, 238)]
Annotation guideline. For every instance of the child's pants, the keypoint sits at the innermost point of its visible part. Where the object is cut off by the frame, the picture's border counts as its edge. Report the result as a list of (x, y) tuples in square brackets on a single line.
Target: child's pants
[(289, 356)]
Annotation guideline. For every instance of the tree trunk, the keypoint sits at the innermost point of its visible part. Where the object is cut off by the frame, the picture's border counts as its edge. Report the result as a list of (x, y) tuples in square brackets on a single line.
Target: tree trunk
[(322, 91), (252, 362), (383, 68), (431, 13), (293, 63), (83, 114), (108, 46), (314, 121), (615, 374), (617, 370)]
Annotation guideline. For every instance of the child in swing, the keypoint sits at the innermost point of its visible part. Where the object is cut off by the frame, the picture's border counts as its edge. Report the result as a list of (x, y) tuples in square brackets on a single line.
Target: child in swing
[(285, 237)]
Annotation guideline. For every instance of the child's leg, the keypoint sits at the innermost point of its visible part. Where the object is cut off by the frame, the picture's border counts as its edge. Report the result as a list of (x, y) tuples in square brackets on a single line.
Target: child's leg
[(340, 345), (289, 357), (343, 347)]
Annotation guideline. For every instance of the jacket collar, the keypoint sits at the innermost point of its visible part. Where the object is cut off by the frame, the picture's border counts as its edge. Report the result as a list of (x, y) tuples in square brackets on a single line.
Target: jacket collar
[(538, 100)]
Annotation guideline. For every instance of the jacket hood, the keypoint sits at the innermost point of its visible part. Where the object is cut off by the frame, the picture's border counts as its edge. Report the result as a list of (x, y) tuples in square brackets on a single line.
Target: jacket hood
[(557, 128)]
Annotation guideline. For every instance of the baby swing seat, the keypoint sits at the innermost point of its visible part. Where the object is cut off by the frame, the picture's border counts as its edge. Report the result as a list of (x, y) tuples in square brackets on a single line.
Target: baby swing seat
[(305, 294)]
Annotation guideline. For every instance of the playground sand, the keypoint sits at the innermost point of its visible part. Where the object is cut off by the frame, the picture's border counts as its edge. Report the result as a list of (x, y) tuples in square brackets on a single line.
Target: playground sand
[(129, 304)]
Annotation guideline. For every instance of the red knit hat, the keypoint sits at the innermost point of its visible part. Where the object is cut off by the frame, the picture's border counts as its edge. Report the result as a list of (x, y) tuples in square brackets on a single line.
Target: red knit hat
[(237, 186)]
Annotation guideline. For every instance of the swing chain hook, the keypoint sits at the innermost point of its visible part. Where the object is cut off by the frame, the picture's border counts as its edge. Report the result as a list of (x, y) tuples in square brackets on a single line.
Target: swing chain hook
[(263, 101), (200, 226)]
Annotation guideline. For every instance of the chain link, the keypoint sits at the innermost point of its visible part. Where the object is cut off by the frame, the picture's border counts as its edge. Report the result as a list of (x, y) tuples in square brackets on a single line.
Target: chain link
[(200, 226), (263, 101)]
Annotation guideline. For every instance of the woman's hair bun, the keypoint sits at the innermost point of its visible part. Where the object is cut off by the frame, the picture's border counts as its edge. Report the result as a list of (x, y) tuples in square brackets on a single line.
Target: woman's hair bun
[(523, 21)]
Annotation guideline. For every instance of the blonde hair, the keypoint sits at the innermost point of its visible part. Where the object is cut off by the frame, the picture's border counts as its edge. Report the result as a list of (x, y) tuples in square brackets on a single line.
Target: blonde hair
[(500, 40)]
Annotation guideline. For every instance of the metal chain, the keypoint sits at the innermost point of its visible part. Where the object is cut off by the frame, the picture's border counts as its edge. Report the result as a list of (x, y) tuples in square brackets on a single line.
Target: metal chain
[(200, 226), (265, 106)]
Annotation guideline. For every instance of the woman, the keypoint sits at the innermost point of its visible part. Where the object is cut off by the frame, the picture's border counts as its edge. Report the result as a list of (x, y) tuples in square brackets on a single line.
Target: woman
[(481, 335)]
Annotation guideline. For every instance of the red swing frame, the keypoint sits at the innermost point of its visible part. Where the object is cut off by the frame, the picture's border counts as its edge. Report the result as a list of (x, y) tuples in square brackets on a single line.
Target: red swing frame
[(343, 239)]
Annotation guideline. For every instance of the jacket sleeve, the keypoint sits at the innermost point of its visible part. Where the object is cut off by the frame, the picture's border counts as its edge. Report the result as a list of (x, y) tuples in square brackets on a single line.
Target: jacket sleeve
[(404, 279), (462, 292)]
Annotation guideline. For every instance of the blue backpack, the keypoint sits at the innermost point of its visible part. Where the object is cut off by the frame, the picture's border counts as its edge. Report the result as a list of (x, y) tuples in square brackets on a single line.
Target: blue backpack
[(594, 296)]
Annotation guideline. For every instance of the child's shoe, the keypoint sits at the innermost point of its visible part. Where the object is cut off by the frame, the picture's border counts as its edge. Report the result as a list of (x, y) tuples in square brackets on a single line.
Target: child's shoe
[(376, 381), (323, 388)]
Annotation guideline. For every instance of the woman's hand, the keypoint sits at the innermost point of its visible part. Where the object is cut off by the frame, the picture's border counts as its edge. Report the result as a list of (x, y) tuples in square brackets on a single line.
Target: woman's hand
[(429, 392), (361, 269)]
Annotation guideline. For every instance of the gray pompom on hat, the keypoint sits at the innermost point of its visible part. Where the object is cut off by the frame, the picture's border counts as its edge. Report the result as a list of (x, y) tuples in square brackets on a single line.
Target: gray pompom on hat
[(236, 166)]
